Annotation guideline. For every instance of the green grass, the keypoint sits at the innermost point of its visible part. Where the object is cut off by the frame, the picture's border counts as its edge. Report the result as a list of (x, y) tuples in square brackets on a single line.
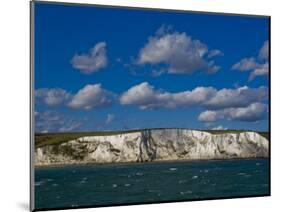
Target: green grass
[(43, 139)]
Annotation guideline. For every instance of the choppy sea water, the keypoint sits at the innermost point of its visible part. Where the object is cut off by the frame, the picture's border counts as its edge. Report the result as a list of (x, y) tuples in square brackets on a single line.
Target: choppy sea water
[(96, 185)]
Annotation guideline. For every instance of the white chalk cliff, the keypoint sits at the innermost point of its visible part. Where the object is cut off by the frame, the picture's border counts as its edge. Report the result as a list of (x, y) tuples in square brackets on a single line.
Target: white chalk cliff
[(154, 145)]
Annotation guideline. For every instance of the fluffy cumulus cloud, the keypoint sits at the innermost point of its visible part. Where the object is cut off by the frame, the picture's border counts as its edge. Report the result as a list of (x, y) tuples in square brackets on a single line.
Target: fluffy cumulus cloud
[(146, 96), (51, 97), (239, 104), (239, 97), (252, 113), (256, 66), (209, 116), (179, 52), (50, 121), (93, 61), (90, 96)]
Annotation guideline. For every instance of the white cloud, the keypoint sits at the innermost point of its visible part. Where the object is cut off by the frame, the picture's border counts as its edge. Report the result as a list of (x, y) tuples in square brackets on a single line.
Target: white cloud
[(252, 113), (51, 97), (246, 64), (262, 70), (178, 51), (257, 66), (90, 96), (239, 97), (142, 95), (209, 116), (264, 51), (92, 62), (50, 121), (109, 119), (220, 127), (214, 53), (47, 121), (145, 96), (70, 127), (212, 68), (157, 73)]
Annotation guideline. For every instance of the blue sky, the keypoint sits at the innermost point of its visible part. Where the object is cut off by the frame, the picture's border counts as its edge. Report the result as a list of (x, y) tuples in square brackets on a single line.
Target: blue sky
[(112, 69)]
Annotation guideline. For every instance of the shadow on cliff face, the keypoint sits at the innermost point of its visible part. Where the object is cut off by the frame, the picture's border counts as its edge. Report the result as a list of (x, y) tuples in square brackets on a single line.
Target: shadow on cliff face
[(147, 147)]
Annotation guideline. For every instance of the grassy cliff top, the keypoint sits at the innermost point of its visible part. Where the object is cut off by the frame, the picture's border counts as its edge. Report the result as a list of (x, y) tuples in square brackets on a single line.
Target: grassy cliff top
[(43, 139)]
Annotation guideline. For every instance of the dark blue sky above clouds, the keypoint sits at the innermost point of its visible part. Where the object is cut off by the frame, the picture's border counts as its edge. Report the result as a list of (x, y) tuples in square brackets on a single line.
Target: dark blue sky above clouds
[(115, 68)]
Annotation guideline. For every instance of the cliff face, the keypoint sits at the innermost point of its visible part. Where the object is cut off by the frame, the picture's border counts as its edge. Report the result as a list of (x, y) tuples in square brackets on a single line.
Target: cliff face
[(154, 145)]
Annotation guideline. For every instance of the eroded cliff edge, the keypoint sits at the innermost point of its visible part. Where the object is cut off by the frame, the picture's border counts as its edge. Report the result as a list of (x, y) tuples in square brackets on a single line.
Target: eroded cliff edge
[(154, 145)]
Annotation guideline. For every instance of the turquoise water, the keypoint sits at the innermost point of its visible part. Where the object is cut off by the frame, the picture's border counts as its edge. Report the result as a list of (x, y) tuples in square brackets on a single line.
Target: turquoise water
[(96, 185)]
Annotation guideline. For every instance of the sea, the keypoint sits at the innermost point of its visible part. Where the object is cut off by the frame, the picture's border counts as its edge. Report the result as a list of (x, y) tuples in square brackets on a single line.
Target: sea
[(153, 182)]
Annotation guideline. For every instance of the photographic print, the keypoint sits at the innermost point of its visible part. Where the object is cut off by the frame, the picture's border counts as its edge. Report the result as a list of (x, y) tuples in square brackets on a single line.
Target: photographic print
[(138, 106)]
